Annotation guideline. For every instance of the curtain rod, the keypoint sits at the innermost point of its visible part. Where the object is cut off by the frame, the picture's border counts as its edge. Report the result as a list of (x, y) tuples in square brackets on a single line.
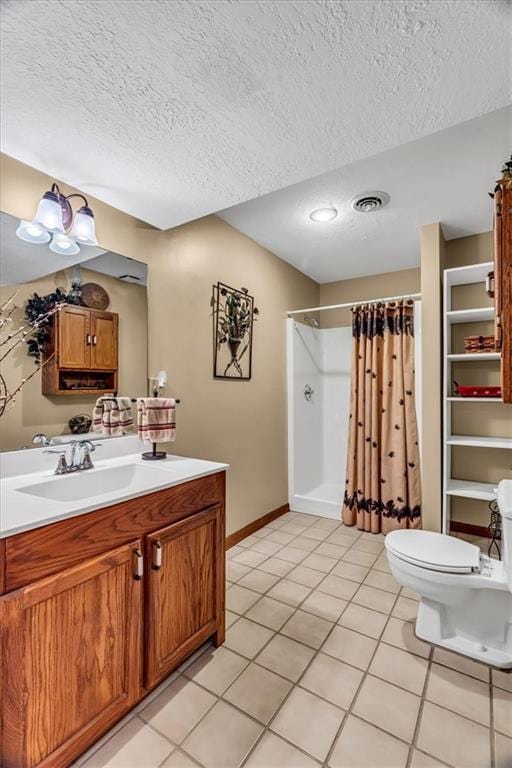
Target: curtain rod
[(353, 303)]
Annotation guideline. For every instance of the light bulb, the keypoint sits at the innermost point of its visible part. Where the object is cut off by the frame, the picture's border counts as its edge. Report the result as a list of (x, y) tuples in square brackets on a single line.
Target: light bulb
[(32, 232), (63, 245), (49, 213), (84, 229)]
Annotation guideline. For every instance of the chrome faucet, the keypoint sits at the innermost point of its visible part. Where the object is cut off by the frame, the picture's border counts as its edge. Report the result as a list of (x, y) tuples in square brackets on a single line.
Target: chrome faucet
[(80, 448), (42, 439)]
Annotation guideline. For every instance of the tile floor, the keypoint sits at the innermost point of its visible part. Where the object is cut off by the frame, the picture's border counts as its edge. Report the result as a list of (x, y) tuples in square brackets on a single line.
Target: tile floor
[(320, 667)]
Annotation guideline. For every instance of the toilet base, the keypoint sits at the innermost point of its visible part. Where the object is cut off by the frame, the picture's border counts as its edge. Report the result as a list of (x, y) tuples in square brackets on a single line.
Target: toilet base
[(433, 627)]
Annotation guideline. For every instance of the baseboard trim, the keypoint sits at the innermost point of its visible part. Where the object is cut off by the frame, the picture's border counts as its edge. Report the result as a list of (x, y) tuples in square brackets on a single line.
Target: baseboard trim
[(260, 522), (474, 530)]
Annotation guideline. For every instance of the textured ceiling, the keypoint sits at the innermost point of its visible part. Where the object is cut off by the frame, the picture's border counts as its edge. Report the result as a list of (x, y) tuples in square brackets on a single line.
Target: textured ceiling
[(444, 177), (172, 110)]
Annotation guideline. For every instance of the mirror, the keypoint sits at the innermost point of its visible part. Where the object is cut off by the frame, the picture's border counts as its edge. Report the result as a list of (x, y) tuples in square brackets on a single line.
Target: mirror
[(96, 344)]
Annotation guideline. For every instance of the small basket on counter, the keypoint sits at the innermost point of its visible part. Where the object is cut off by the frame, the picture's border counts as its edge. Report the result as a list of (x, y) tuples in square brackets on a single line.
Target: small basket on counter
[(475, 391), (475, 344)]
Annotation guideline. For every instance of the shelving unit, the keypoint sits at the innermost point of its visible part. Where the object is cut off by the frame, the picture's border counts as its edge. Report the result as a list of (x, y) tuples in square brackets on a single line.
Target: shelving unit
[(452, 487)]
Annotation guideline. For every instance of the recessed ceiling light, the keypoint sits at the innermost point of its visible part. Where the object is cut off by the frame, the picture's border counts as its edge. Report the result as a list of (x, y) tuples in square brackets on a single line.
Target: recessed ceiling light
[(323, 214)]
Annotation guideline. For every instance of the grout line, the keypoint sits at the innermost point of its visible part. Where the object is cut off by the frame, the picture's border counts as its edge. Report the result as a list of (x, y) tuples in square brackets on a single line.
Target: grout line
[(420, 711)]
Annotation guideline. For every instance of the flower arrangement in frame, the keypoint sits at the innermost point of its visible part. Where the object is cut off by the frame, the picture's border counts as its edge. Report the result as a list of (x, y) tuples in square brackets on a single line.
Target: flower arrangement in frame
[(234, 314)]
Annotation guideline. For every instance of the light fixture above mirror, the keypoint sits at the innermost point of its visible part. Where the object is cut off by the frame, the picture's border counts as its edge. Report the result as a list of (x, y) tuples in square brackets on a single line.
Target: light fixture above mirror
[(53, 217)]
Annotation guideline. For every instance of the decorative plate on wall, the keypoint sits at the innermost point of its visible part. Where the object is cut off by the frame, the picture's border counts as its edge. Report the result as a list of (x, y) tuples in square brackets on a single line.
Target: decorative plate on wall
[(94, 296)]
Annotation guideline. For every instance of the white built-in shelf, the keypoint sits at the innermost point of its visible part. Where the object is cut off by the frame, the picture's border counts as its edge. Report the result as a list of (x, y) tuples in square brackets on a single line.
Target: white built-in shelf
[(474, 399), (475, 273), (475, 441), (471, 490), (467, 356), (470, 315)]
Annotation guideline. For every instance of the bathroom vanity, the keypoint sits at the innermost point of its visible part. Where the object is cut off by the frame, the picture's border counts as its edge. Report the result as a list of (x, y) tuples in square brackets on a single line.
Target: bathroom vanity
[(102, 596)]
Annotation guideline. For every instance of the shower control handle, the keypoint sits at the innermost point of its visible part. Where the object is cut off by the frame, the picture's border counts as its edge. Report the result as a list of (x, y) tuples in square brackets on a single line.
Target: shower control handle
[(308, 392)]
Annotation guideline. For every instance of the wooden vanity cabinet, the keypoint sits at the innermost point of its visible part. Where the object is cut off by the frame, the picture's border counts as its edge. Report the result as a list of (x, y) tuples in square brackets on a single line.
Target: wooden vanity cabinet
[(108, 605)]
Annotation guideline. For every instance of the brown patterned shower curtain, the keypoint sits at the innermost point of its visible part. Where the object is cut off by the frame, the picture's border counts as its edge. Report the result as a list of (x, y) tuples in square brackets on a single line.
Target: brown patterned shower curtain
[(382, 489)]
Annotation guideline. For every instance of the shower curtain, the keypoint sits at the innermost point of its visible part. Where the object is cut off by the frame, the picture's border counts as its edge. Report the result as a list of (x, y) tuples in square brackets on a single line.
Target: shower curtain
[(382, 486)]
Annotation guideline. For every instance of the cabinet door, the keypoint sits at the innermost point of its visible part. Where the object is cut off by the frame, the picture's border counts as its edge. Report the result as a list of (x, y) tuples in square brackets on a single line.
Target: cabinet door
[(185, 590), (104, 341), (74, 338), (71, 648), (503, 281)]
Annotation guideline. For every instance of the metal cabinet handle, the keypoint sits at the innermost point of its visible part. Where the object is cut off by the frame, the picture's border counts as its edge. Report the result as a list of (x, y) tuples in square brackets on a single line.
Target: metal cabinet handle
[(88, 339), (94, 340), (157, 556), (139, 565)]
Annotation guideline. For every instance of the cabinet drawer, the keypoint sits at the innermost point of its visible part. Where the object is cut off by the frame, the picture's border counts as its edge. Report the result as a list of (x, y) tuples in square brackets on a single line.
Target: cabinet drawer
[(32, 555)]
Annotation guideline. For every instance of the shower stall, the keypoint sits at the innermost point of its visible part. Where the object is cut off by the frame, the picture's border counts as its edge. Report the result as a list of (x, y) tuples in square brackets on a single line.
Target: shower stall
[(319, 371)]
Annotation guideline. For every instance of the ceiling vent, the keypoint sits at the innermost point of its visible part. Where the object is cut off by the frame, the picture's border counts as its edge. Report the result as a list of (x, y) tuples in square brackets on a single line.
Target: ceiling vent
[(369, 202)]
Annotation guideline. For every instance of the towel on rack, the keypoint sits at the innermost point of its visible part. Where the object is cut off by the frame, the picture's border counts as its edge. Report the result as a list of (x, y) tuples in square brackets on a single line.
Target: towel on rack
[(112, 416), (156, 419)]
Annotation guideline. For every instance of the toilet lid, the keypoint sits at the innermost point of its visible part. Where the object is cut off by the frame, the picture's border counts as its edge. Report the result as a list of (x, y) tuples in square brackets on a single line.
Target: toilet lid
[(435, 551)]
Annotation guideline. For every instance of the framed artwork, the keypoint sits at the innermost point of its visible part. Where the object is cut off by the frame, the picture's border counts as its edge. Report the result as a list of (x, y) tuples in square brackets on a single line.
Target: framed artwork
[(234, 314)]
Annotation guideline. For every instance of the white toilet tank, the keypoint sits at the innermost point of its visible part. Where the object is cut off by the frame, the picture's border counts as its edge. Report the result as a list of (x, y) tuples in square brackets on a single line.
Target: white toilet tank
[(505, 507)]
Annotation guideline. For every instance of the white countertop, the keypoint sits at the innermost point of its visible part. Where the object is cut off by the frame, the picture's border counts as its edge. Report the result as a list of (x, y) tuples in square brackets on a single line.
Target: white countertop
[(22, 508)]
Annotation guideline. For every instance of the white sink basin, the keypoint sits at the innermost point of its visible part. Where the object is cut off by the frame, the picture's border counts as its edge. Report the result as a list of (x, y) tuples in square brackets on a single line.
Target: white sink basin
[(96, 482)]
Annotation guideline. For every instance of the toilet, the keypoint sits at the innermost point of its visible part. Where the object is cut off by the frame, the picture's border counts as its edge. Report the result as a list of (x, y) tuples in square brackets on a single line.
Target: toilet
[(466, 597)]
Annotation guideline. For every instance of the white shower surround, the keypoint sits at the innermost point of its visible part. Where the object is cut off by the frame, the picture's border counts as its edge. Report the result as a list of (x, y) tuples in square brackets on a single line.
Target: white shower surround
[(318, 429)]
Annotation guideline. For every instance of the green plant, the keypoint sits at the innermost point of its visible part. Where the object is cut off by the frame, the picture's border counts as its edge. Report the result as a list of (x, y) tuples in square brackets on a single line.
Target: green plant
[(39, 313)]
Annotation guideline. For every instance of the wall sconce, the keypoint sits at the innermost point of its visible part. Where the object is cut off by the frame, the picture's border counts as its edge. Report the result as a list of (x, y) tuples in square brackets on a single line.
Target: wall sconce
[(53, 217)]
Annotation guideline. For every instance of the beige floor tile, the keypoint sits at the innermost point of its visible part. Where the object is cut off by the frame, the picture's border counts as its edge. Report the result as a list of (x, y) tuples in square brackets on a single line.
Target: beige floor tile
[(502, 704), (358, 557), (421, 760), (401, 634), (274, 752), (266, 547), (289, 592), (367, 545), (405, 609), (223, 738), (258, 581), (462, 664), (307, 576), (324, 605), (381, 564), (308, 545), (247, 638), (261, 533), (330, 550), (349, 646), (502, 751), (316, 534), (320, 562), (235, 571), (376, 599), (360, 745), (388, 707), (459, 693), (332, 680), (363, 620), (338, 587), (178, 760), (248, 557), (286, 657), (292, 554), (270, 613), (258, 692), (406, 592), (239, 600), (135, 745), (178, 709), (350, 571), (275, 566), (502, 679), (231, 618), (248, 541), (294, 528), (234, 551), (216, 669), (456, 740), (307, 628), (341, 540), (279, 537), (400, 668), (382, 580), (297, 715)]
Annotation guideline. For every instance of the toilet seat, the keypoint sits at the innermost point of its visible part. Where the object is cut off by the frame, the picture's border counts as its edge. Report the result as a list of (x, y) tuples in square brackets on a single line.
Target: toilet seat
[(434, 551)]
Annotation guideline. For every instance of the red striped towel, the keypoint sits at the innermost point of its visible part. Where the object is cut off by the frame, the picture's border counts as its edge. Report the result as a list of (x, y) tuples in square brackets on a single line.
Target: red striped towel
[(112, 416), (156, 419)]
